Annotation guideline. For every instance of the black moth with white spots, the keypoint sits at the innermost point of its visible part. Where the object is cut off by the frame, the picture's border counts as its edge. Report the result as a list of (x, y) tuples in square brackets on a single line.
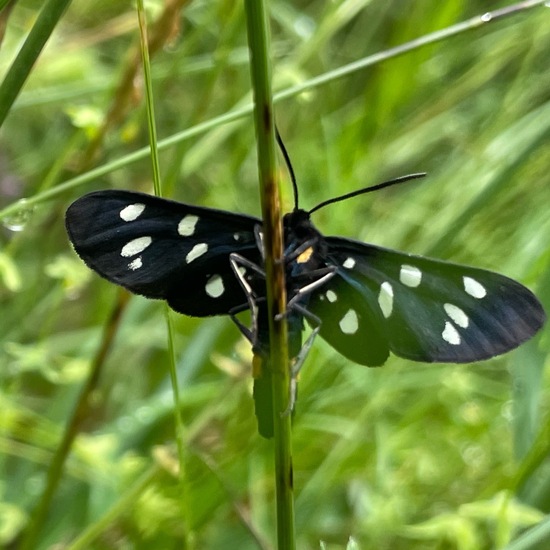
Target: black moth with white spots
[(364, 300)]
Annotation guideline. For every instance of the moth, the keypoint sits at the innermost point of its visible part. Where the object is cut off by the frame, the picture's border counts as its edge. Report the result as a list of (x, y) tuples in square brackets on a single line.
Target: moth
[(364, 300)]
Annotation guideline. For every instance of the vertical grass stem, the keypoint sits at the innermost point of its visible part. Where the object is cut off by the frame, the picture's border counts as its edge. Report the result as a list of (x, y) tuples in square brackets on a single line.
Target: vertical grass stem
[(258, 40)]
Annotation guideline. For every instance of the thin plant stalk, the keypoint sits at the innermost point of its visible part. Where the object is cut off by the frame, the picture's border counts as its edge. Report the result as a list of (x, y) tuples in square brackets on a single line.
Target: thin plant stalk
[(260, 66), (158, 191)]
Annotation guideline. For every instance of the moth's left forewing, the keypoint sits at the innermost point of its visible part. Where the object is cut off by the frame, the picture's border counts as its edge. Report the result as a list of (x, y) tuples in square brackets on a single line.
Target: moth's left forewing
[(430, 310), (163, 249)]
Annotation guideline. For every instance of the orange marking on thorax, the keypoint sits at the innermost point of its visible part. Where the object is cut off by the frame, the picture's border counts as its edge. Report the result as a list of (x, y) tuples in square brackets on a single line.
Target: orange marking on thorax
[(305, 255)]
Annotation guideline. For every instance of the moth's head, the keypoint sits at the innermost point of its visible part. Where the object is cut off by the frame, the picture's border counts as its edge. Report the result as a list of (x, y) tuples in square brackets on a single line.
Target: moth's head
[(298, 226)]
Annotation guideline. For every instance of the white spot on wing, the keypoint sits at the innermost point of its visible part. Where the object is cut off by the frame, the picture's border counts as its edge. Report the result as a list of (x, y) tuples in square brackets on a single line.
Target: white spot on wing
[(474, 288), (349, 263), (450, 334), (186, 227), (410, 276), (135, 247), (135, 264), (349, 323), (457, 315), (385, 299), (214, 286), (331, 296), (132, 212), (196, 252)]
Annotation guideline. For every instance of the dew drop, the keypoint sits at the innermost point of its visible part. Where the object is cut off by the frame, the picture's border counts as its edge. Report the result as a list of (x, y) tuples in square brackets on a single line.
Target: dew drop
[(17, 221)]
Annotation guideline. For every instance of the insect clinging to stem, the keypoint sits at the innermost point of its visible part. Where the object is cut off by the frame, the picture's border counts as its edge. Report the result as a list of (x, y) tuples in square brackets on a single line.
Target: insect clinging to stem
[(364, 300)]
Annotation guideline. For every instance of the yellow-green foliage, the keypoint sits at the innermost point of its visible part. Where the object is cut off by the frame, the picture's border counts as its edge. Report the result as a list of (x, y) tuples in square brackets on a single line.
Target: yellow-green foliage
[(409, 456)]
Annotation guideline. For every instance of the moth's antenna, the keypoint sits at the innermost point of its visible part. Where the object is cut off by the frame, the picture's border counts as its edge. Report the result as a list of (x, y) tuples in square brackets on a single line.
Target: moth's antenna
[(395, 181), (289, 166)]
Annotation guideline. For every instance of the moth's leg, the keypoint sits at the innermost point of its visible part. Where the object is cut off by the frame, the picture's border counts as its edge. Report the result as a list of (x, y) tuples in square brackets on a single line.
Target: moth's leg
[(299, 360), (244, 330), (237, 261), (325, 274)]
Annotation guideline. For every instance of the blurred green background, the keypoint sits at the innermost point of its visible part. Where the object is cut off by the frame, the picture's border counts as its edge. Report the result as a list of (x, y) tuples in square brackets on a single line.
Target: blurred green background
[(408, 456)]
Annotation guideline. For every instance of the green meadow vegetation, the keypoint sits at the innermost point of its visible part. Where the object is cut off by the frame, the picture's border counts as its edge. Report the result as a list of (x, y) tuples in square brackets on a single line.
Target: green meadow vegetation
[(407, 456)]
